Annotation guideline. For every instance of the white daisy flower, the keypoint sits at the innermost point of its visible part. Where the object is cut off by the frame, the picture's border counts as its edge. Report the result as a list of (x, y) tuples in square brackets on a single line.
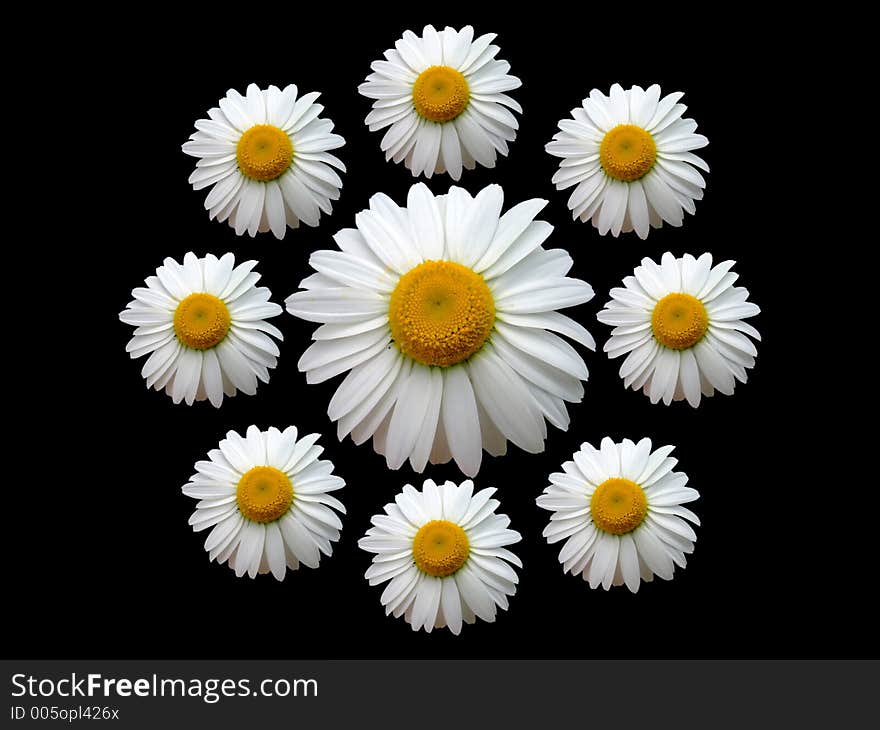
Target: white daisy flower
[(203, 325), (618, 508), (630, 155), (266, 158), (680, 324), (266, 499), (443, 312), (442, 98), (442, 552)]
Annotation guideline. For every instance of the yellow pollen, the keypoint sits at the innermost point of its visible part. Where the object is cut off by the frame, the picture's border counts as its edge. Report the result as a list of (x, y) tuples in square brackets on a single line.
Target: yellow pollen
[(440, 548), (627, 152), (679, 321), (618, 506), (440, 93), (264, 494), (264, 152), (201, 321), (441, 313)]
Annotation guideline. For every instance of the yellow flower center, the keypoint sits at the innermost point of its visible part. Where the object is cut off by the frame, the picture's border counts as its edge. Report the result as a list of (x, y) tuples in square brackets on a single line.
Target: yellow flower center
[(627, 152), (264, 494), (201, 321), (618, 506), (441, 313), (440, 548), (679, 321), (440, 93), (264, 152)]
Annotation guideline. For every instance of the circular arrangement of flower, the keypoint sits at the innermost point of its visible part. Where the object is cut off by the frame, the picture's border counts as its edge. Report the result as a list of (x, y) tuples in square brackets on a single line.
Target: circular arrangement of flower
[(444, 315)]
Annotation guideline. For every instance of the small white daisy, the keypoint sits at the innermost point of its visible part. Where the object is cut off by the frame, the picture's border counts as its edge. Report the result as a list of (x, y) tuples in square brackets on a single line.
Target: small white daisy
[(443, 313), (266, 157), (442, 552), (203, 324), (266, 498), (630, 155), (618, 508), (680, 324), (442, 98)]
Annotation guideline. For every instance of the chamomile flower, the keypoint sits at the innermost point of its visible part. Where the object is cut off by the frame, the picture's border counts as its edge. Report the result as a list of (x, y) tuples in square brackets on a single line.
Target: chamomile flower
[(680, 325), (266, 158), (266, 499), (619, 510), (203, 325), (442, 98), (442, 552), (630, 154), (443, 313)]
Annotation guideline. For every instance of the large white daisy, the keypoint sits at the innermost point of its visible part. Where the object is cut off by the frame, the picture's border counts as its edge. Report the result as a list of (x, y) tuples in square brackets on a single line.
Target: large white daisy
[(442, 552), (203, 325), (266, 158), (631, 157), (619, 510), (680, 325), (443, 312), (442, 98), (266, 499)]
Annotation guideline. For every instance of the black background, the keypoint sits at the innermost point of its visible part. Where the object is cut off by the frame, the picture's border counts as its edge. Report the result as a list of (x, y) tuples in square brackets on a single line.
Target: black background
[(105, 564)]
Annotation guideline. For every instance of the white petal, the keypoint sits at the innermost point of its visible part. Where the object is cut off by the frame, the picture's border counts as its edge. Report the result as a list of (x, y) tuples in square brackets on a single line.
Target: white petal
[(275, 209), (450, 603), (507, 401), (474, 139), (637, 208), (530, 239), (275, 551), (450, 152), (474, 594), (427, 601), (458, 205), (628, 560), (299, 199), (651, 550), (426, 222), (427, 149), (425, 440), (662, 199), (547, 347), (409, 413), (713, 368), (298, 540), (481, 222), (461, 421), (510, 227), (553, 321)]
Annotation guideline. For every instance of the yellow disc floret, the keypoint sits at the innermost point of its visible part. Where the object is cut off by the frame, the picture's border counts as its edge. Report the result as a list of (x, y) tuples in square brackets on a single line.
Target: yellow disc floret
[(201, 321), (440, 94), (627, 152), (264, 152), (441, 313), (440, 547), (264, 494), (679, 321), (618, 506)]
